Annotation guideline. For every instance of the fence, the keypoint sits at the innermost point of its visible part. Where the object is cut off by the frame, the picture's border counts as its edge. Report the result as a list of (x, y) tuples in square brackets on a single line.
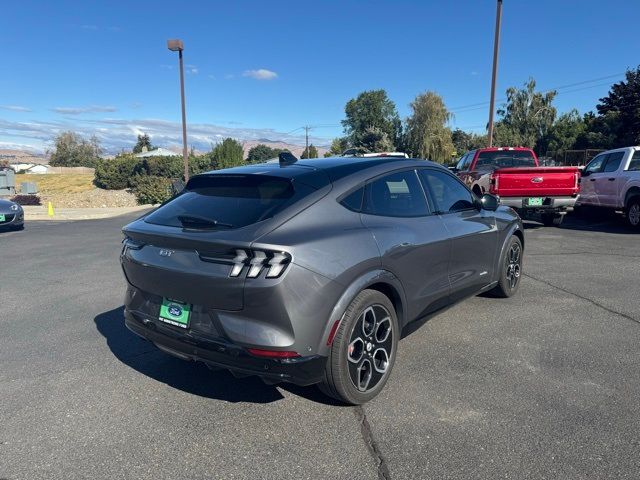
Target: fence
[(572, 158), (78, 170)]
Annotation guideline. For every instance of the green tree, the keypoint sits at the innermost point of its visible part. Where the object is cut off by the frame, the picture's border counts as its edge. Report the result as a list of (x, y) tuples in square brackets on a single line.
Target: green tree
[(565, 132), (371, 109), (227, 154), (143, 141), (262, 153), (427, 135), (464, 141), (619, 111), (72, 150), (312, 153), (338, 145), (375, 140), (527, 117)]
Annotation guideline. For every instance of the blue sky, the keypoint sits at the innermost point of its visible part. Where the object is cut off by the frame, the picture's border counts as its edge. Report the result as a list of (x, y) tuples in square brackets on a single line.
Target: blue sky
[(261, 69)]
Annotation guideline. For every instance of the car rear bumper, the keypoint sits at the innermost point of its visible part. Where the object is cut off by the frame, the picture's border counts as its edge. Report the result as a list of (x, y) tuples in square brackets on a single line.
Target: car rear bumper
[(221, 353), (548, 203)]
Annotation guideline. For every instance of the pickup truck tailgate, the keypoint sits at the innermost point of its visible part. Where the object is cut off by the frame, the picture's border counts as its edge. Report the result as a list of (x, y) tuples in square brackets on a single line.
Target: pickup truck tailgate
[(536, 181)]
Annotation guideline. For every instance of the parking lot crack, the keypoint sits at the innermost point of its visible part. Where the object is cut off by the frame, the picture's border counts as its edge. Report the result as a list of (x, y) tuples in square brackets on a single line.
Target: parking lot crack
[(586, 299), (372, 445)]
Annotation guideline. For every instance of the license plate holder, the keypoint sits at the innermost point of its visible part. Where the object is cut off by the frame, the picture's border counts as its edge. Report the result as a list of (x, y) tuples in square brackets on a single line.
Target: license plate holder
[(174, 312), (535, 201), (2, 217)]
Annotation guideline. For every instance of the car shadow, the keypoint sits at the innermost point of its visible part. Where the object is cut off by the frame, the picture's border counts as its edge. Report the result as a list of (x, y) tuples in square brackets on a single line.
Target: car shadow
[(602, 222), (190, 377)]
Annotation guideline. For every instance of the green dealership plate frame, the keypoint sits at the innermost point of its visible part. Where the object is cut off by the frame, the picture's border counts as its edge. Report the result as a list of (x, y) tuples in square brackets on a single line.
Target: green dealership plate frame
[(175, 313), (535, 201), (2, 217)]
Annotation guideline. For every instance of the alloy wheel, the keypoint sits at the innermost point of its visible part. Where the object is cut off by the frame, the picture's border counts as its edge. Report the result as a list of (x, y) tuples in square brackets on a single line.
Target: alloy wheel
[(634, 214), (513, 265), (370, 347)]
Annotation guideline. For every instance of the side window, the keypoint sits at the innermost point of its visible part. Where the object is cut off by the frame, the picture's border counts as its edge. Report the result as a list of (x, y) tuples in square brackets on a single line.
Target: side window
[(353, 201), (396, 195), (613, 161), (448, 193), (634, 164), (462, 162), (467, 162), (595, 165)]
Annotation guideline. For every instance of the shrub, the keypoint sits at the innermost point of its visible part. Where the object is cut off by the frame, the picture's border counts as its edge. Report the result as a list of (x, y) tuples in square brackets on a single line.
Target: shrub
[(151, 189), (167, 167), (116, 173), (25, 200)]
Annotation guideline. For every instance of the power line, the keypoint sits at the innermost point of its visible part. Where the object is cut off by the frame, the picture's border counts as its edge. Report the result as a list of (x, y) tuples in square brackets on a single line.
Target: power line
[(480, 105)]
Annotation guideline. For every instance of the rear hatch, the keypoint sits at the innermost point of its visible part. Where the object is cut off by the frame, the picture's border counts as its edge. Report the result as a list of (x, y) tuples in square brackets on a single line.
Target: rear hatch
[(186, 249), (536, 181)]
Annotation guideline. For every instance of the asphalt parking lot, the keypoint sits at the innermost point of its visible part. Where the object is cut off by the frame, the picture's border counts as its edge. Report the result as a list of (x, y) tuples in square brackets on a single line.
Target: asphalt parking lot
[(543, 385)]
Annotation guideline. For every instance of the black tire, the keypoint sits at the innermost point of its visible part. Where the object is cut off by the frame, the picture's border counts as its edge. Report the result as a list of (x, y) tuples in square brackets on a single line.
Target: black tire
[(632, 213), (351, 343), (552, 219), (510, 270)]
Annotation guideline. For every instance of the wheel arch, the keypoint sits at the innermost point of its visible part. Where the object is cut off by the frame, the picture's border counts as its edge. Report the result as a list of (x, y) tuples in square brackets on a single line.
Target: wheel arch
[(631, 193), (380, 280)]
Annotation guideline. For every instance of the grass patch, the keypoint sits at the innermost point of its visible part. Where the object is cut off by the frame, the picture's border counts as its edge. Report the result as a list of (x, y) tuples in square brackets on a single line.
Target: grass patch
[(50, 183)]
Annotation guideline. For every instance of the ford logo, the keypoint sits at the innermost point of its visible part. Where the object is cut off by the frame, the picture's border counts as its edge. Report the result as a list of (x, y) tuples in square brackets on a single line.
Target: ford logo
[(165, 253), (175, 310), (536, 179)]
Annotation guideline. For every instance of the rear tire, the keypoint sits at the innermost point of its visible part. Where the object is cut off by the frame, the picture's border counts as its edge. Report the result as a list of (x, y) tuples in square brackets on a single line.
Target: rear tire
[(510, 270), (632, 213), (552, 219), (363, 350)]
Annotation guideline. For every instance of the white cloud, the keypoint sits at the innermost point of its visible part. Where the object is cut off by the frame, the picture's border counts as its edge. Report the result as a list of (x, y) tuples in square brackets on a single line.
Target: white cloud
[(115, 133), (15, 108), (193, 69), (87, 109), (260, 74)]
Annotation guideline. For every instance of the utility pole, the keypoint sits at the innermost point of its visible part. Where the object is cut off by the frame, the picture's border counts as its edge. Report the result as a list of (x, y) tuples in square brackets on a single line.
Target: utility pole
[(496, 49), (306, 139)]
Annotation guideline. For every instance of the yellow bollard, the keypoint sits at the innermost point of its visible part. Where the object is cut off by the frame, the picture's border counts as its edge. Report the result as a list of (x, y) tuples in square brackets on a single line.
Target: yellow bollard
[(50, 209)]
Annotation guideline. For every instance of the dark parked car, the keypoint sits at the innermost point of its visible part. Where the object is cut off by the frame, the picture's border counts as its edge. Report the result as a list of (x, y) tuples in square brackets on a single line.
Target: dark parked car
[(311, 271), (11, 215)]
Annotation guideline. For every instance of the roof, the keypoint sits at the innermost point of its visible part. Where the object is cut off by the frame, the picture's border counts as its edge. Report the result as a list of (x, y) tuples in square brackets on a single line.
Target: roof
[(334, 168), (158, 152)]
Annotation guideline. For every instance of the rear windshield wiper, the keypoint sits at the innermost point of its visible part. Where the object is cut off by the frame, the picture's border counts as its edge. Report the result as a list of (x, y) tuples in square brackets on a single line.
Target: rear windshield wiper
[(201, 223)]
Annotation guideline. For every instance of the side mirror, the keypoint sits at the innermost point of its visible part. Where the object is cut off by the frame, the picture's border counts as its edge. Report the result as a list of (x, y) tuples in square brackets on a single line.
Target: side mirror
[(489, 202), (585, 173)]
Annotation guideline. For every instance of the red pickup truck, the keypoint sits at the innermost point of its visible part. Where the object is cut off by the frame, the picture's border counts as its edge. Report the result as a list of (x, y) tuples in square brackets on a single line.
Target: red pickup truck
[(514, 175)]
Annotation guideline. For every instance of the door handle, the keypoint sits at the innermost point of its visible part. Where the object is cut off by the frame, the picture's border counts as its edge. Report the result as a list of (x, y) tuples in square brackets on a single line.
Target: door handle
[(612, 179), (592, 179)]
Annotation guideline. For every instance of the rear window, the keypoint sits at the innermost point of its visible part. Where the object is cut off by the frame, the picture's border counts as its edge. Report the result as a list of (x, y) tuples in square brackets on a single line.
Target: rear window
[(228, 201), (506, 159)]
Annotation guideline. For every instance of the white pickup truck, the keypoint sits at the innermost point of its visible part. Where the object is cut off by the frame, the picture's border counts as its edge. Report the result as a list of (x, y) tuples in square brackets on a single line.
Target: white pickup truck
[(612, 180)]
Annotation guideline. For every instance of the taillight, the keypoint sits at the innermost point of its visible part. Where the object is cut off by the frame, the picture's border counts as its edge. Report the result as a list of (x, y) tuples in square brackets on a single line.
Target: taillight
[(493, 184), (274, 263), (131, 244), (260, 352)]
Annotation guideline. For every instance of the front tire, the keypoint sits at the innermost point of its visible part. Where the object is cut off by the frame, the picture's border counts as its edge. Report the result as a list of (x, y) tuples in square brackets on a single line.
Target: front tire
[(632, 213), (510, 270), (363, 350)]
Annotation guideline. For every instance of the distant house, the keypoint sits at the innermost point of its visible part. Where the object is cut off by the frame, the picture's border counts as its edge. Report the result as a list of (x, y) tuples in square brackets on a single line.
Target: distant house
[(19, 167), (38, 169), (158, 152)]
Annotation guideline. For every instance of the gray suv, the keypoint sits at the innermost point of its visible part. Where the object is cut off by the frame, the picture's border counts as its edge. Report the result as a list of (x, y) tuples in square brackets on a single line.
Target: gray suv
[(310, 271)]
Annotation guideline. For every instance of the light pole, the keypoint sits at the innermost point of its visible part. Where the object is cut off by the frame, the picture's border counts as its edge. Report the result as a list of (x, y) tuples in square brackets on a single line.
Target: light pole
[(496, 50), (177, 46)]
